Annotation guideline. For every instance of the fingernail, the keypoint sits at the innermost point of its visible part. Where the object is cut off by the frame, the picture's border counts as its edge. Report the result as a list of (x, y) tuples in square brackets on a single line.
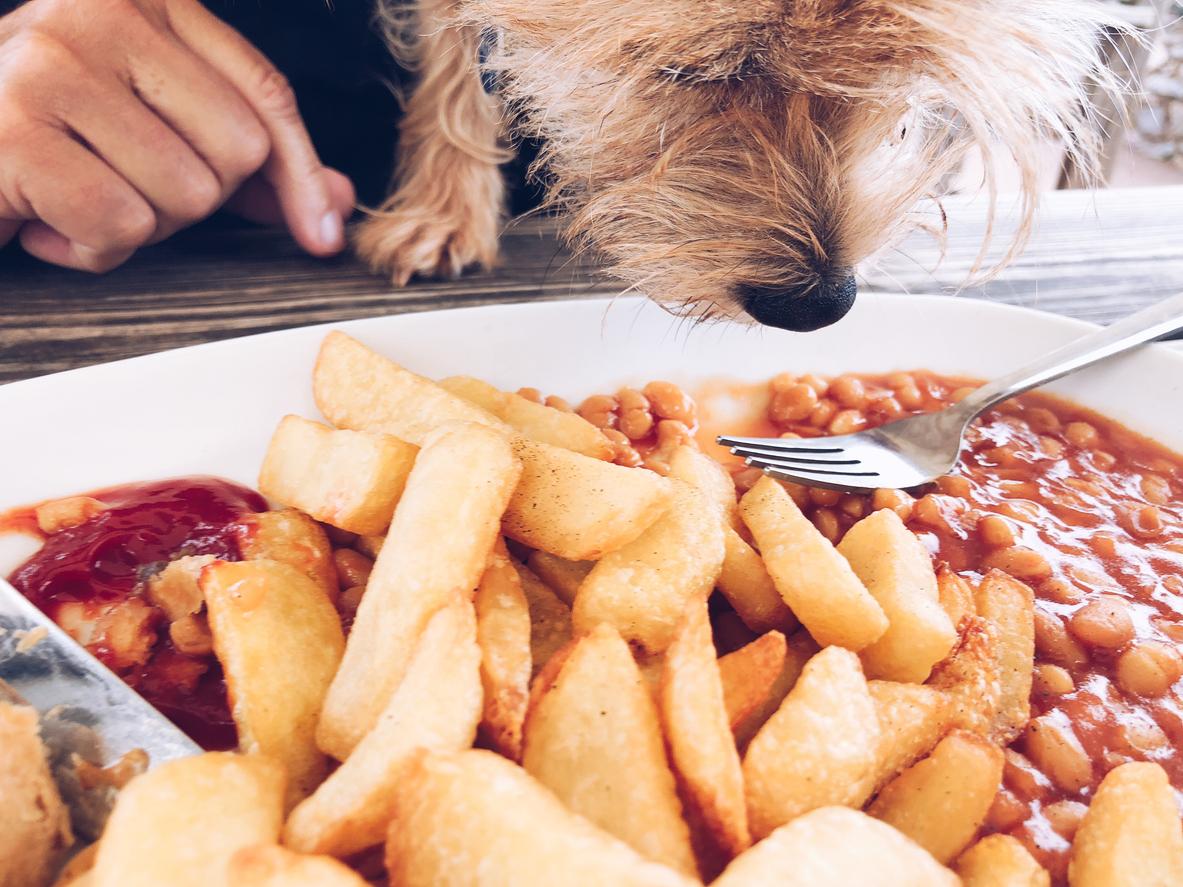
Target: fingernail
[(332, 231)]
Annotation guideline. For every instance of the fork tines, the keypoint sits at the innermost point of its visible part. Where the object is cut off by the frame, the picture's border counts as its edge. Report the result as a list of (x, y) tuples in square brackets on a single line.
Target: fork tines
[(797, 458)]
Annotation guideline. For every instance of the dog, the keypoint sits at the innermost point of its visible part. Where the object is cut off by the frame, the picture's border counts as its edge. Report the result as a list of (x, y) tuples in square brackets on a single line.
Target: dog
[(727, 158)]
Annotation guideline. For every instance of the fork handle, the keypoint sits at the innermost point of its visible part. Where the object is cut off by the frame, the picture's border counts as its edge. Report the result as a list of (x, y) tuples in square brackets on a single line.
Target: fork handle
[(1151, 323)]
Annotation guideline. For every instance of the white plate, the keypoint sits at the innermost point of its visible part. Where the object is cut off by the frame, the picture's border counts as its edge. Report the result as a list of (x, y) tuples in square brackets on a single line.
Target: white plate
[(210, 409)]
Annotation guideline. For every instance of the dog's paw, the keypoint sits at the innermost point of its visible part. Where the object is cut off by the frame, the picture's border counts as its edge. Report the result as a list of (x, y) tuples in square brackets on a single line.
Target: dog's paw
[(406, 241)]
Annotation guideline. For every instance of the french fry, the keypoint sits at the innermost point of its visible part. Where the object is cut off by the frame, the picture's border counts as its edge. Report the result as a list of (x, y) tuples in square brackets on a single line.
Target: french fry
[(941, 802), (593, 738), (1000, 861), (503, 632), (550, 619), (748, 587), (36, 823), (818, 749), (690, 465), (747, 675), (577, 507), (970, 678), (562, 576), (439, 542), (912, 718), (536, 421), (292, 538), (474, 818), (799, 649), (956, 596), (643, 588), (269, 865), (835, 846), (814, 580), (181, 823), (437, 706), (350, 479), (359, 389), (279, 641), (1130, 836), (1010, 605), (897, 570), (699, 735)]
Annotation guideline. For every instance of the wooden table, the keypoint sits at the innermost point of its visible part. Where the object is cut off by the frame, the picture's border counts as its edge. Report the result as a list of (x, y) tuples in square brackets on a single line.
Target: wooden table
[(1095, 255)]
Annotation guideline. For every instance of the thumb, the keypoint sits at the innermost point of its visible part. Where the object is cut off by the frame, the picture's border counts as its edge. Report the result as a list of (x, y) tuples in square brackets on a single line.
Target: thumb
[(8, 229), (257, 201)]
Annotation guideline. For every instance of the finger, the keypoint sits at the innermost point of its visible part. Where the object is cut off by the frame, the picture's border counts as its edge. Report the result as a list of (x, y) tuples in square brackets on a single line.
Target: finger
[(257, 201), (42, 242), (8, 229), (293, 168)]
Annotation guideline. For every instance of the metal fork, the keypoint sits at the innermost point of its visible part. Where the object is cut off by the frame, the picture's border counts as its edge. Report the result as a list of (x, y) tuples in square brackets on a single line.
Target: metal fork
[(919, 449)]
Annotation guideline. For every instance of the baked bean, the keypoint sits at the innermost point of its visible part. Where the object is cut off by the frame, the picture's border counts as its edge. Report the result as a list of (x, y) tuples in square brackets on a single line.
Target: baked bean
[(1064, 817), (1149, 668), (671, 434), (1022, 563), (671, 402), (531, 394), (1081, 434), (897, 500), (960, 394), (1005, 456), (817, 383), (792, 404), (558, 403), (353, 567), (955, 485), (1173, 630), (1085, 486), (1052, 680), (799, 493), (1104, 544), (349, 601), (1054, 748), (824, 497), (936, 511), (884, 409), (854, 506), (849, 391), (996, 531), (1053, 641), (1156, 489), (789, 435), (636, 420), (623, 452), (847, 422), (1103, 623), (1021, 511), (746, 478), (1006, 811), (827, 524), (1042, 421), (1019, 489), (1060, 591), (600, 410), (1104, 461), (338, 537), (1021, 775), (1142, 737), (909, 397), (781, 382), (1140, 521), (1050, 448), (823, 414)]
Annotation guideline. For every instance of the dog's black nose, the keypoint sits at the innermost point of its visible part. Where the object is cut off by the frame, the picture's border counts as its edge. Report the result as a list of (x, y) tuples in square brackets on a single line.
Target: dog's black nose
[(801, 309)]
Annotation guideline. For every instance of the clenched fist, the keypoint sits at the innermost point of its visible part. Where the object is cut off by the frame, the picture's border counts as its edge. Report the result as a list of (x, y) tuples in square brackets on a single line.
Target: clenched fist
[(122, 121)]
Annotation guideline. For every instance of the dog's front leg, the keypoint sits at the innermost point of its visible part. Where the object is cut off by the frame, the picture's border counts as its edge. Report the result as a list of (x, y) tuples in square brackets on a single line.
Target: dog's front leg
[(446, 211)]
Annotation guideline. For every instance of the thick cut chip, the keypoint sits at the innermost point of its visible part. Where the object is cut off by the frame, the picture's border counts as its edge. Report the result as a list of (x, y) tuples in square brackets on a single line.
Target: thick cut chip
[(350, 479), (956, 596), (643, 588), (941, 802), (265, 865), (748, 587), (181, 823), (578, 507), (747, 675), (593, 738), (690, 465), (279, 641), (437, 706), (550, 619), (799, 649), (290, 537), (1130, 836), (835, 846), (562, 576), (359, 389), (36, 823), (912, 718), (815, 581), (503, 631), (1000, 861), (439, 542), (818, 749), (897, 570), (474, 819), (970, 678), (536, 421), (1010, 605), (699, 735)]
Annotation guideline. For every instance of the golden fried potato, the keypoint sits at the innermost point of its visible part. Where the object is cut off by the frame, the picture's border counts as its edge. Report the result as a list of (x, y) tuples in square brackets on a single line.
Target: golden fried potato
[(1010, 605), (1130, 836), (562, 576), (818, 749), (350, 479), (747, 675), (699, 735), (970, 678), (956, 596), (36, 828), (799, 649), (643, 588), (941, 802), (474, 818), (815, 581), (577, 507), (536, 421), (835, 846), (269, 865), (1000, 861), (181, 823), (897, 570), (692, 466), (748, 587), (593, 738), (290, 537), (279, 641), (437, 706), (439, 542), (550, 619), (359, 389), (912, 718), (503, 632)]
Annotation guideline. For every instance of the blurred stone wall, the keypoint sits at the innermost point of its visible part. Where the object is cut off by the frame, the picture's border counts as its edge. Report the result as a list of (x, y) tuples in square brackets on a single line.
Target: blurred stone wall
[(1159, 121)]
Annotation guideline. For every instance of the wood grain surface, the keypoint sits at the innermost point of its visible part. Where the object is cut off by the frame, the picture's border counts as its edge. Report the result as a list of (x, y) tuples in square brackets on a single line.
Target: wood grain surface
[(1095, 255)]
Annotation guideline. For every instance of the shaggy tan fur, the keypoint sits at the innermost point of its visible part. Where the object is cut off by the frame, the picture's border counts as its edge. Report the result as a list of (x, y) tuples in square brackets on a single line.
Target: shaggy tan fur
[(705, 146)]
